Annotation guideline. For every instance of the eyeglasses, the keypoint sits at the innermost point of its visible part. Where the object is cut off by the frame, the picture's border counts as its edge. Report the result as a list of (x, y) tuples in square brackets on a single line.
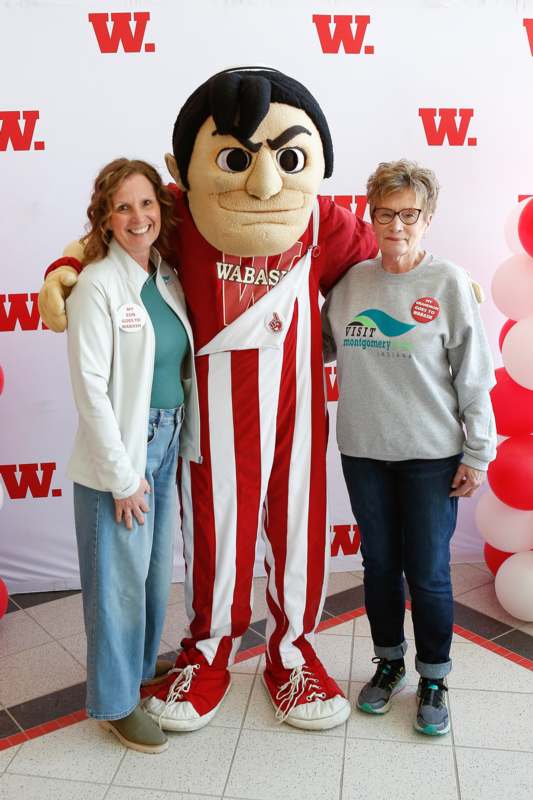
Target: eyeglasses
[(407, 215)]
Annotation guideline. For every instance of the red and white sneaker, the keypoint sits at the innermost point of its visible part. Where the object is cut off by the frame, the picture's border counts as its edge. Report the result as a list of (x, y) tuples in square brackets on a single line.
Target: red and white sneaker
[(306, 697), (192, 694)]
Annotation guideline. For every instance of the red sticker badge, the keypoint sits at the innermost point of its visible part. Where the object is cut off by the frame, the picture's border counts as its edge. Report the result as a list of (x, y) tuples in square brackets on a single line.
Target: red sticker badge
[(425, 309), (274, 324)]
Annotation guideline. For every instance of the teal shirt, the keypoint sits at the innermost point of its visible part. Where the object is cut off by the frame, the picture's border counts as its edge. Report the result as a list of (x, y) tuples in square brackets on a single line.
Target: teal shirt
[(171, 346)]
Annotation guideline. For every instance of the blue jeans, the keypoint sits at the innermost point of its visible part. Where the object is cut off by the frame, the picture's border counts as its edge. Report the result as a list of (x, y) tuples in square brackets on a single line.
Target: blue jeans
[(406, 521), (126, 575)]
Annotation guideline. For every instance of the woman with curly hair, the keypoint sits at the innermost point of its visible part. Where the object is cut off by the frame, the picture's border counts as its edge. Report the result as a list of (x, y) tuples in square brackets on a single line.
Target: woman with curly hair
[(130, 346)]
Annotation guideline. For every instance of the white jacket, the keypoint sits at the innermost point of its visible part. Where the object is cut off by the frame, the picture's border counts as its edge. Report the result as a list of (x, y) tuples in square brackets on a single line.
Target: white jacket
[(111, 348)]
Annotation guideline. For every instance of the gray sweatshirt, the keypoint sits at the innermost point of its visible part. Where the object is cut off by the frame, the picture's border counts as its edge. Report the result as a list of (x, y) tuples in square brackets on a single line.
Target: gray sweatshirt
[(414, 367)]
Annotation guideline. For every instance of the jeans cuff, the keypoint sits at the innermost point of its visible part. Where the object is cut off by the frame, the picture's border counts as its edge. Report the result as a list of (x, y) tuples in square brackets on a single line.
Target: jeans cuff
[(111, 717), (432, 670), (391, 653)]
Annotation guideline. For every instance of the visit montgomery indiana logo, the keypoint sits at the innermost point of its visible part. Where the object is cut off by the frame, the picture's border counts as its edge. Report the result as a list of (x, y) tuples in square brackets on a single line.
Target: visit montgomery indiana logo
[(364, 329)]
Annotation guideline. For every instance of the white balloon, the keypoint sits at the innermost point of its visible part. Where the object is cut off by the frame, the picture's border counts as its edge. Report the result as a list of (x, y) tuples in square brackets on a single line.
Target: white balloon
[(505, 528), (514, 586), (517, 352), (512, 287), (511, 227)]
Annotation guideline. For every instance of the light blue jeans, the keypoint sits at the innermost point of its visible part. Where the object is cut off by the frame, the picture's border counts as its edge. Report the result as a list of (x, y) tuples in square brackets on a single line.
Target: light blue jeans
[(126, 575)]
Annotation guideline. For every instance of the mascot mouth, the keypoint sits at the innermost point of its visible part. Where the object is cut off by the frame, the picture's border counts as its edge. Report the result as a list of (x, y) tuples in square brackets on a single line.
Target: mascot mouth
[(240, 202)]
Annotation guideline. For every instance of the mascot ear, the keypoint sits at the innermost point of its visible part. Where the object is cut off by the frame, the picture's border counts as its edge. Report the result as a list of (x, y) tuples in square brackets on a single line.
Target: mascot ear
[(172, 167)]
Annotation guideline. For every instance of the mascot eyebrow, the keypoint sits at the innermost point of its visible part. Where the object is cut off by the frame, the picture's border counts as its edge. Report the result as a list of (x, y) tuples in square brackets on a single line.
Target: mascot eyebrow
[(274, 144), (286, 136)]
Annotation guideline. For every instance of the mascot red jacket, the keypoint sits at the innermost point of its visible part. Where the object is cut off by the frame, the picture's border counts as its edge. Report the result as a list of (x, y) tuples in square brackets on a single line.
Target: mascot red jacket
[(254, 247)]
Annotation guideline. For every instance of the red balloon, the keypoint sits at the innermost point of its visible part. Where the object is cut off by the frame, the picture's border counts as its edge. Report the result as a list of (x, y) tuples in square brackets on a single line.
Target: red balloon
[(494, 558), (512, 404), (525, 228), (506, 327), (4, 597), (511, 474)]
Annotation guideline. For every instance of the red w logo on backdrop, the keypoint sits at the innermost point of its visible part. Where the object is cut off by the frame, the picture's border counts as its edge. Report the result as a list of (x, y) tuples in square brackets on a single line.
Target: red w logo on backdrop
[(19, 312), (343, 34), (353, 202), (345, 540), (19, 479), (332, 387), (121, 31), (20, 135), (528, 25), (447, 126)]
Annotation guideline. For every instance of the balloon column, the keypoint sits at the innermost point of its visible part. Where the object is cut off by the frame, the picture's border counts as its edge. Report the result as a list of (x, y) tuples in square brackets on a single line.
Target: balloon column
[(504, 514)]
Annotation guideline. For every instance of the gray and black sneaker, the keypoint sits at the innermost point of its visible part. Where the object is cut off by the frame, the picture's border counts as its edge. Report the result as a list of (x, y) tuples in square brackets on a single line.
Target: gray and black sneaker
[(432, 715), (375, 696)]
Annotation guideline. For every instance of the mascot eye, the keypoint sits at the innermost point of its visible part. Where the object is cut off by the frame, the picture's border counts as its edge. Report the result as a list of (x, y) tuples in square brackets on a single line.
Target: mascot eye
[(234, 159), (291, 159)]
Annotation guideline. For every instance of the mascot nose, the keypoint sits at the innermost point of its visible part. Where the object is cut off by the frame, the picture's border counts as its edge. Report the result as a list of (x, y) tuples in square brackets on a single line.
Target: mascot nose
[(265, 180)]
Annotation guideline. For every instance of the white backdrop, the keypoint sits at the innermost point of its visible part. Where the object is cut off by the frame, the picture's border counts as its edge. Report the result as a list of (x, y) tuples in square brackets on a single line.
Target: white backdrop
[(475, 58)]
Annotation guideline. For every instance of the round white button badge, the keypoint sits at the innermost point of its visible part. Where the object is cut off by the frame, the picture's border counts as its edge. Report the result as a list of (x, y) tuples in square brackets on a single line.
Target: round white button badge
[(131, 318)]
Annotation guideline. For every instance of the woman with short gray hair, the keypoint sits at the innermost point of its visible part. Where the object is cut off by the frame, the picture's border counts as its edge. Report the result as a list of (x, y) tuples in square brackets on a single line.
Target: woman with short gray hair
[(395, 176), (414, 371)]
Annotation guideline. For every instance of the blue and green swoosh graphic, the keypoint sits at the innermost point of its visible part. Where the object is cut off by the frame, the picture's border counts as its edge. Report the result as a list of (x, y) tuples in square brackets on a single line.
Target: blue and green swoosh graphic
[(387, 325)]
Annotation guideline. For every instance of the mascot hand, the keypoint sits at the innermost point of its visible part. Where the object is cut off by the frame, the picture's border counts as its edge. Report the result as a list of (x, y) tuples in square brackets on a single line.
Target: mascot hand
[(478, 291), (52, 296)]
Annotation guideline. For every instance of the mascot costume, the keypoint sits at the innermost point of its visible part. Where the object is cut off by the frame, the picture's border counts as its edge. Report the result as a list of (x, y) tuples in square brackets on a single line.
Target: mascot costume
[(253, 247)]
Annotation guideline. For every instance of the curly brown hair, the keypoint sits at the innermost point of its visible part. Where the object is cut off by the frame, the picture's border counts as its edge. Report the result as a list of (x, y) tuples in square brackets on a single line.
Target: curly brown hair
[(108, 180)]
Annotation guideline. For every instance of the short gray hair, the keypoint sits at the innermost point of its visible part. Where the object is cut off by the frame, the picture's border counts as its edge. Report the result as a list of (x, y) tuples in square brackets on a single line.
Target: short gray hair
[(394, 176)]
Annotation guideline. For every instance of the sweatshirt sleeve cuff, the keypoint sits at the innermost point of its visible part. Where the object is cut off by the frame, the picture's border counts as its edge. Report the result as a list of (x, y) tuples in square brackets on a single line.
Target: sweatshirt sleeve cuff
[(475, 463), (64, 261)]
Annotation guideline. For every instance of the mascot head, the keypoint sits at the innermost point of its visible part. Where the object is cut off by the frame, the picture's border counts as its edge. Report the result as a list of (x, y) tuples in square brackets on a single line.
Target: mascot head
[(251, 146)]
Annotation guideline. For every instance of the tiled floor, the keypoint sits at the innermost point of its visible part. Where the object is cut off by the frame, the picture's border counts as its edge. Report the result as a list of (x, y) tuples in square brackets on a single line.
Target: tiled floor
[(244, 753)]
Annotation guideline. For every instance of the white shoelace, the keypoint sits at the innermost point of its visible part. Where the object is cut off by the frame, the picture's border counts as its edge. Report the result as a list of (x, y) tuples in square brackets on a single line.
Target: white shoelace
[(180, 686), (301, 680)]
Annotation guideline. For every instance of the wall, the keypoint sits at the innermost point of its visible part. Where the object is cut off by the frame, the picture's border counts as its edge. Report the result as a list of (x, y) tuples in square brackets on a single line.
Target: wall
[(445, 83)]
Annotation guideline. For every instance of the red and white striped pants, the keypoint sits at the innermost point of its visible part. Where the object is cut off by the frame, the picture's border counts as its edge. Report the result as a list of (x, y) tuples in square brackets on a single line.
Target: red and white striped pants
[(263, 441)]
